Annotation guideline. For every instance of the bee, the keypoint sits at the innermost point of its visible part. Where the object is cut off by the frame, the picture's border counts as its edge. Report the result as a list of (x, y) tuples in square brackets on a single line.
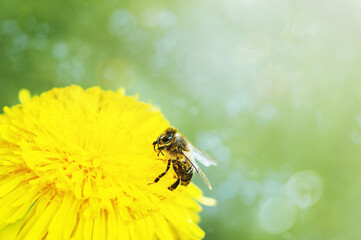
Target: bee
[(182, 155)]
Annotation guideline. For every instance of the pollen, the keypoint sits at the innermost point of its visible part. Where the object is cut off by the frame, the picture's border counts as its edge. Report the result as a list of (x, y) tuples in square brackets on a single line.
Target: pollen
[(77, 164)]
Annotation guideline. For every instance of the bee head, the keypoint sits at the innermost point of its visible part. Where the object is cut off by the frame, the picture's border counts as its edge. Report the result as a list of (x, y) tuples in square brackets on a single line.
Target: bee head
[(165, 138)]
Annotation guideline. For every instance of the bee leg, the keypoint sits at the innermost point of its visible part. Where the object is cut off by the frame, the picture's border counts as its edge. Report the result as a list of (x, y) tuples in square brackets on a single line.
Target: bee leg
[(175, 185), (160, 150), (162, 174)]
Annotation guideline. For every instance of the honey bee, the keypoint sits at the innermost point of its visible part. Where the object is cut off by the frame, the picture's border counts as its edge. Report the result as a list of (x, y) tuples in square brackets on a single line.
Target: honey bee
[(182, 155)]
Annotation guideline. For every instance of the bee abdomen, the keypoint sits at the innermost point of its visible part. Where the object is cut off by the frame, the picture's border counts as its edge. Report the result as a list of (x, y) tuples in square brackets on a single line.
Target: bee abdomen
[(187, 178)]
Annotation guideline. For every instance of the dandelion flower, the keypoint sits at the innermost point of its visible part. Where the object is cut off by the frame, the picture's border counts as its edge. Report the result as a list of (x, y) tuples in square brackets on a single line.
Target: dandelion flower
[(75, 164)]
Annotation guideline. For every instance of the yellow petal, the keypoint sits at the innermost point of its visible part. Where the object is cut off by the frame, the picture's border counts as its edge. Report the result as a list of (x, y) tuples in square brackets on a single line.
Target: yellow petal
[(24, 95)]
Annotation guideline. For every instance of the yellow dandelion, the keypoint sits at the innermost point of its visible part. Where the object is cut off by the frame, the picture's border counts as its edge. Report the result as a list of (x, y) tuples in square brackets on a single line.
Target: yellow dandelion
[(75, 164)]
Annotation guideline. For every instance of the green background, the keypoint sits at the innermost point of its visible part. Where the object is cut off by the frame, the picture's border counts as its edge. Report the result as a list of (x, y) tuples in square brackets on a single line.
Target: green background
[(270, 89)]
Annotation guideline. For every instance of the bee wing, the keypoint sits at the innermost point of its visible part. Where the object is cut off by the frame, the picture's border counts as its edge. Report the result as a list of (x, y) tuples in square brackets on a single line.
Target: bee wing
[(201, 156), (196, 167)]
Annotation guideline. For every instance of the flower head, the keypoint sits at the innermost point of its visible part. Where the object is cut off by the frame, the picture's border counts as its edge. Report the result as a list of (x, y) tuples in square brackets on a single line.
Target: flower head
[(77, 164)]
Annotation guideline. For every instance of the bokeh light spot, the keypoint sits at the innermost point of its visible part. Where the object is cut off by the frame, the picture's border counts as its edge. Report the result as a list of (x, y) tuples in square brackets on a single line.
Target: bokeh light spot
[(227, 190), (9, 27), (266, 114), (304, 189), (21, 41), (356, 137), (42, 29), (276, 216), (124, 25), (235, 104), (60, 50), (249, 191), (71, 71), (115, 72), (167, 19)]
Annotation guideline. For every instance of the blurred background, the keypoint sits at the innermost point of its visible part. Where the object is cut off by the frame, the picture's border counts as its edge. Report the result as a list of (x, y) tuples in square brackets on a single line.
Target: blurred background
[(271, 89)]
